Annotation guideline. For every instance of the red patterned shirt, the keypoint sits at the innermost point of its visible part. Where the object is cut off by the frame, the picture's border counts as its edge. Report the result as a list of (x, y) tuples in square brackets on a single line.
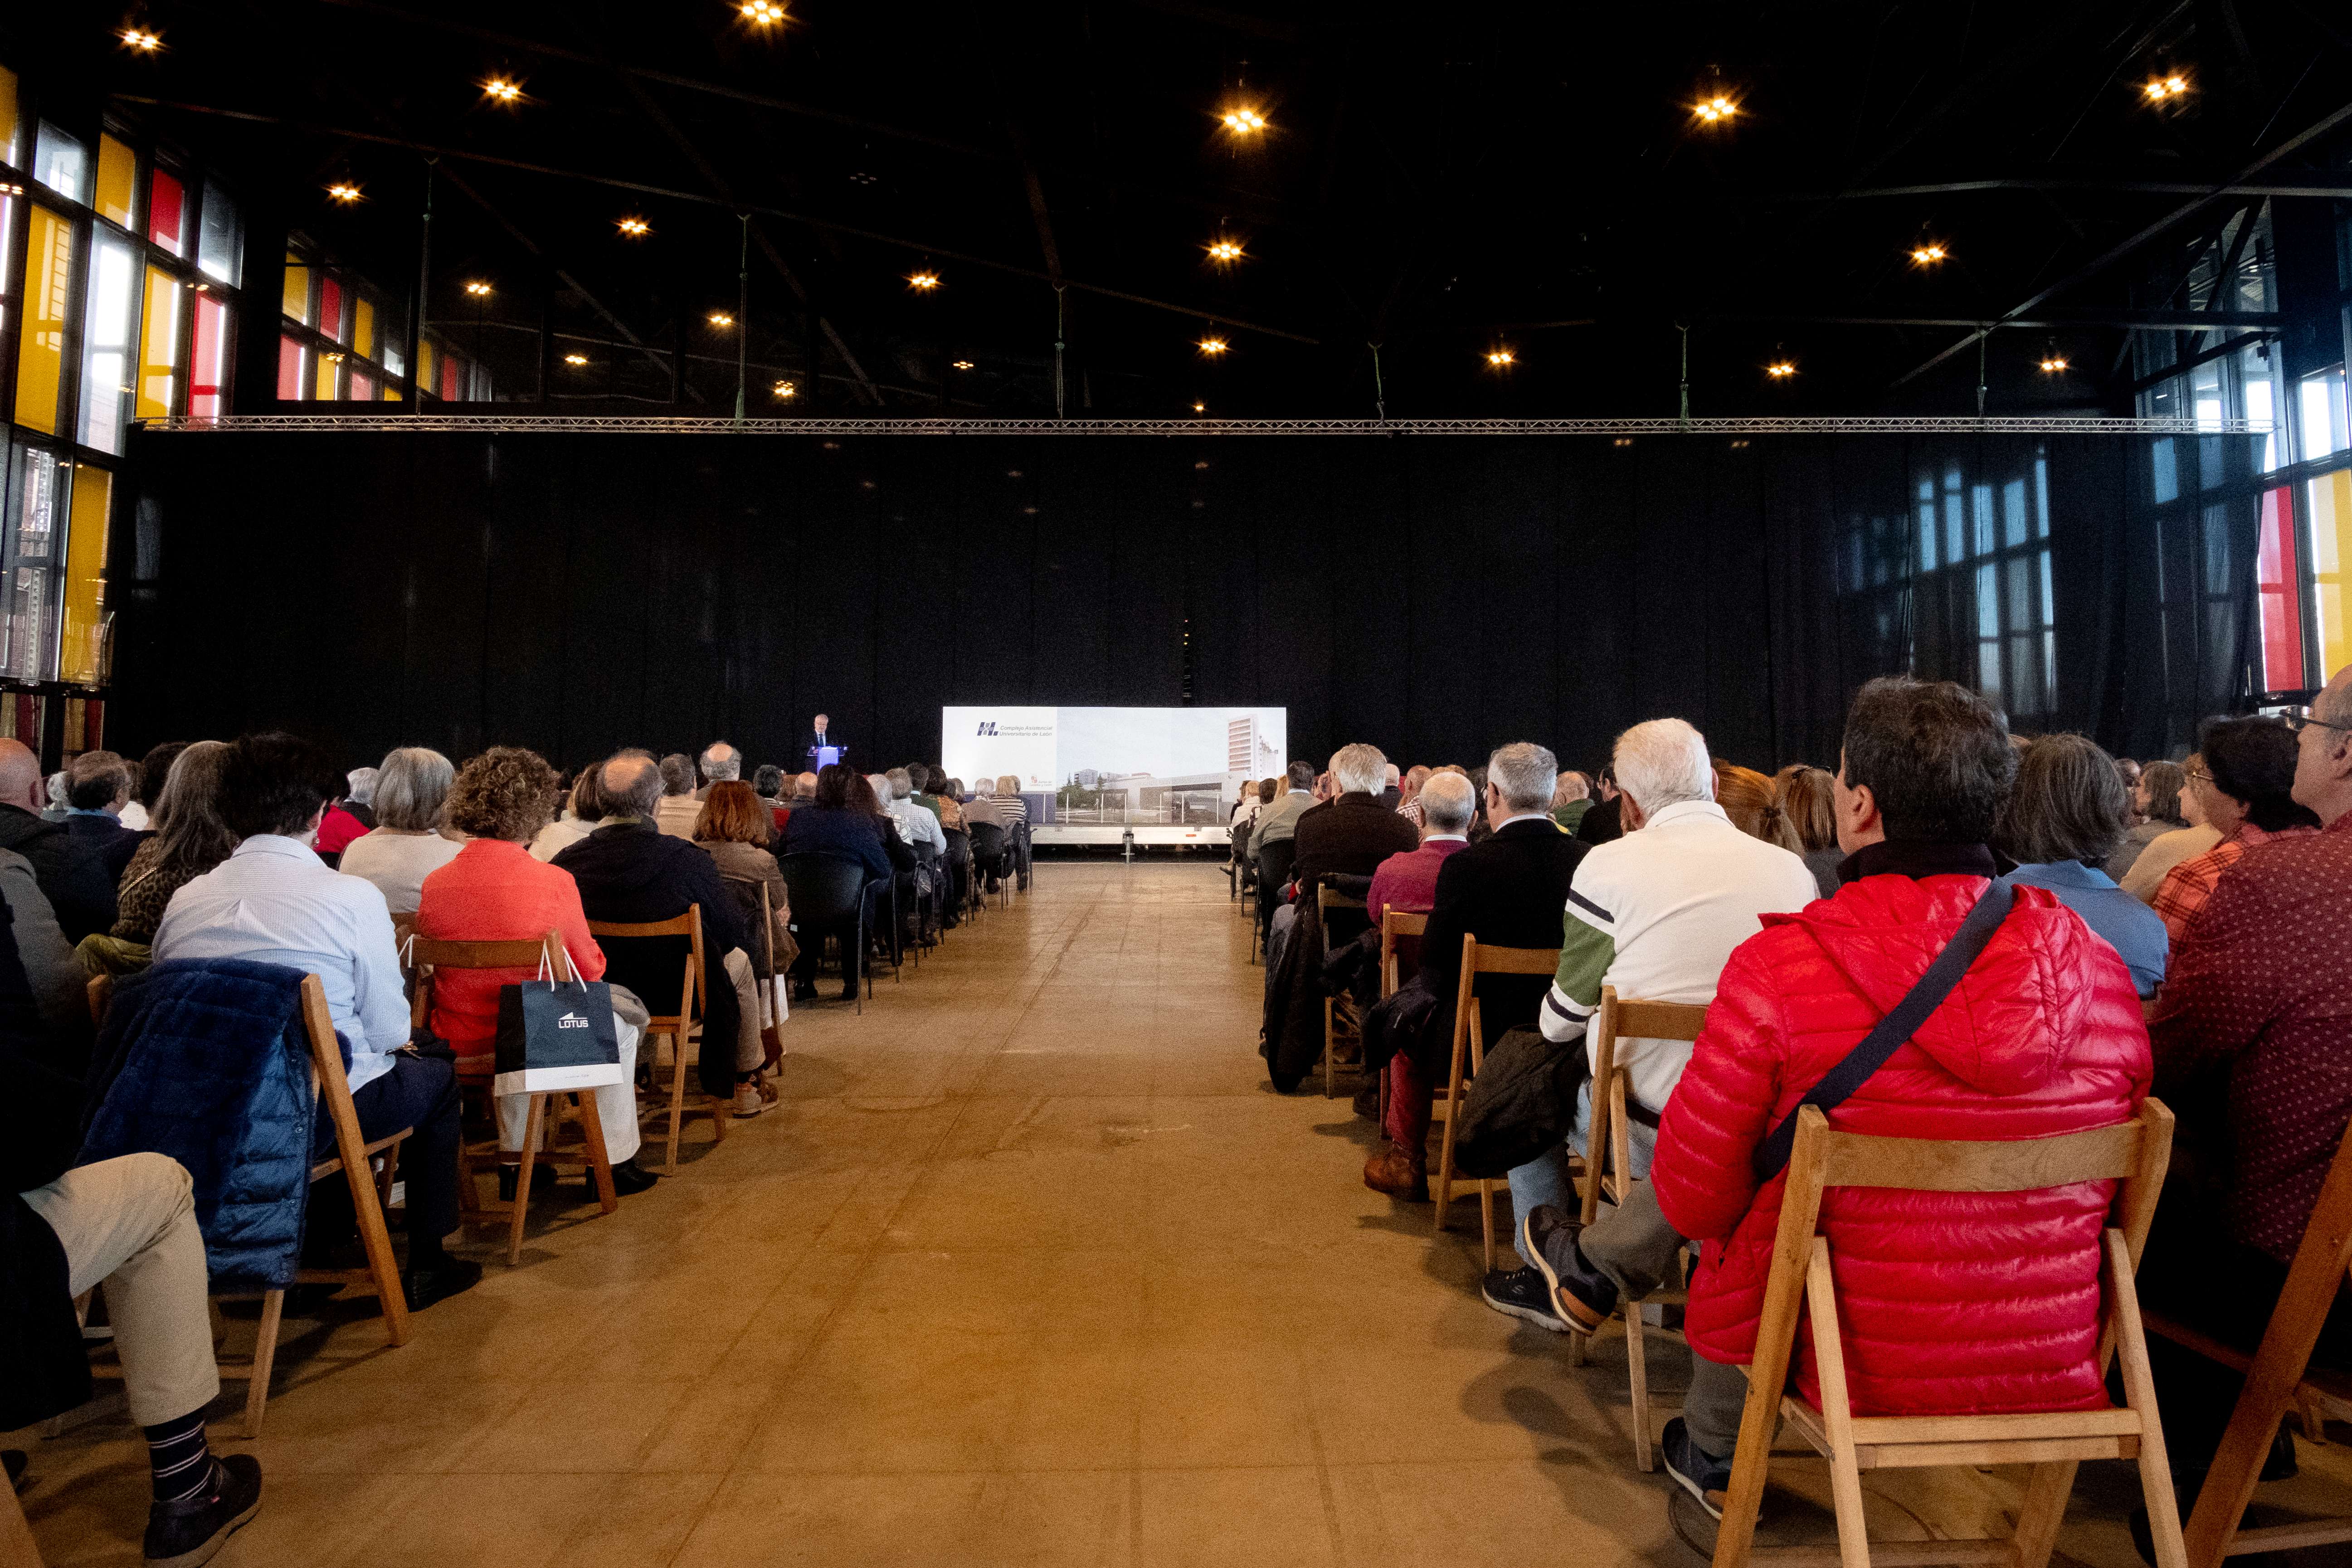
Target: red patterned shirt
[(2187, 886), (2262, 984)]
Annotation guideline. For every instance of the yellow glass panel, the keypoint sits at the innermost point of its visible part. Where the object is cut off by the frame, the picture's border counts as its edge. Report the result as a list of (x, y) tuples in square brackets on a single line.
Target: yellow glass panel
[(11, 122), (364, 327), (424, 366), (328, 366), (118, 180), (81, 651), (159, 347), (297, 300), (41, 352), (392, 394), (2331, 567)]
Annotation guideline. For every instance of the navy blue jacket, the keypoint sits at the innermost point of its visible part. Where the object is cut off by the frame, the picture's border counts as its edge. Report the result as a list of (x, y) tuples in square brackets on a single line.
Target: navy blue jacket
[(852, 834)]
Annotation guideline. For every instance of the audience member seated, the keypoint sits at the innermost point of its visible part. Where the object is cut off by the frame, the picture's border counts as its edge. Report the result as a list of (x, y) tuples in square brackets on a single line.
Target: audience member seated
[(982, 807), (830, 825), (72, 877), (1348, 835), (1599, 822), (274, 901), (679, 804), (720, 763), (1806, 795), (1655, 913), (803, 786), (2167, 850), (2156, 810), (942, 799), (153, 769), (870, 793), (407, 844), (2245, 791), (494, 891), (54, 790), (917, 824), (1407, 880), (1279, 819), (1571, 797), (1009, 803), (768, 783), (1976, 1303), (2251, 1047), (1753, 804), (1507, 891), (631, 873), (580, 816), (347, 818), (189, 840), (130, 1224), (1410, 792), (97, 787), (734, 831), (1392, 793), (2065, 814), (52, 967)]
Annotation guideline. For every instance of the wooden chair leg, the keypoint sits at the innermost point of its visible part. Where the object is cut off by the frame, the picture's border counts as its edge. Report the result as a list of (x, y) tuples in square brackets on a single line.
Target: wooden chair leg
[(533, 1124), (1837, 1410), (265, 1360), (599, 1164), (1329, 1066), (1445, 1191), (1637, 1378), (376, 1242), (1487, 1222), (388, 1175), (2047, 1488), (17, 1547), (2139, 1397), (677, 1103), (1767, 1374)]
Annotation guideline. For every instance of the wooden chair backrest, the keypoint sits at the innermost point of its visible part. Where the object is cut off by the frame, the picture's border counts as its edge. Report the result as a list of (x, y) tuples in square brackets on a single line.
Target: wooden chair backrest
[(425, 954), (1478, 958), (1396, 924), (687, 925), (1606, 1142), (1328, 898)]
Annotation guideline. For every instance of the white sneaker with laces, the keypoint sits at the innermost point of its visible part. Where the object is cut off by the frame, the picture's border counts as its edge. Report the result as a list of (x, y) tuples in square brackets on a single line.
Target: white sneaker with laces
[(747, 1100)]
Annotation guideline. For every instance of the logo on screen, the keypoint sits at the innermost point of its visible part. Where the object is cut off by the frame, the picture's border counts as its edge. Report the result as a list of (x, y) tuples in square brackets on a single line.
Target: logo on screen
[(988, 726)]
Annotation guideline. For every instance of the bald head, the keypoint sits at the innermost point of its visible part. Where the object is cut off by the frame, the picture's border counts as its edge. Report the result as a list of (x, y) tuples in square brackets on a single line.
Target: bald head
[(631, 783), (20, 777)]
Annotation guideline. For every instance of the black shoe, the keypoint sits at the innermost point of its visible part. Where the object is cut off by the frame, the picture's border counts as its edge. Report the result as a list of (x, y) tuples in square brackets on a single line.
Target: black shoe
[(451, 1277), (542, 1178), (182, 1534), (628, 1177), (1522, 1293), (803, 993), (1583, 1295), (1700, 1473)]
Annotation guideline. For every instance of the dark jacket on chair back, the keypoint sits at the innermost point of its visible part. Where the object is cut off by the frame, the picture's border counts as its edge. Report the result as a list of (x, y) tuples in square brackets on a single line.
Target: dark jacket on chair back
[(632, 873), (1510, 891), (107, 837), (72, 877)]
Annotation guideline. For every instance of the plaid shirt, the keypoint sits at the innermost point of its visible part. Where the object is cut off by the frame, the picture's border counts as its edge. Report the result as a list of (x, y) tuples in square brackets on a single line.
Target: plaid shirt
[(2187, 886)]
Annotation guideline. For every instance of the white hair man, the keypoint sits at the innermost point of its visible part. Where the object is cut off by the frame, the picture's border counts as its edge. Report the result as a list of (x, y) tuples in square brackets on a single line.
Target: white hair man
[(1655, 914), (678, 813), (896, 789), (1348, 835)]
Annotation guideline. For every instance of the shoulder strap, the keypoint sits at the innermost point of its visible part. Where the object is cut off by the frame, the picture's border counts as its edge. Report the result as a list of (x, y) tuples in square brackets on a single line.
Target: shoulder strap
[(1901, 1021)]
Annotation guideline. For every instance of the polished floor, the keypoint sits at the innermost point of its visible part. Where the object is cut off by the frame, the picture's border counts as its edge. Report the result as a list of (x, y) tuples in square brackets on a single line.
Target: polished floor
[(1029, 1269)]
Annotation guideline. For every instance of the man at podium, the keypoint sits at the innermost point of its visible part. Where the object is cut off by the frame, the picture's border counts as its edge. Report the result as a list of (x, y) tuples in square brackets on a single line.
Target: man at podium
[(825, 747)]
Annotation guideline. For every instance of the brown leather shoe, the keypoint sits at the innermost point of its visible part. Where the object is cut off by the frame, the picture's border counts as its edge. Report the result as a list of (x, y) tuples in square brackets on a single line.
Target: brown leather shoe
[(1397, 1172)]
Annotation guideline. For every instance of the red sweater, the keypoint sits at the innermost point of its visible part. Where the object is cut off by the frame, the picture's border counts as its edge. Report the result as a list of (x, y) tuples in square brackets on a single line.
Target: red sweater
[(495, 891), (1407, 881)]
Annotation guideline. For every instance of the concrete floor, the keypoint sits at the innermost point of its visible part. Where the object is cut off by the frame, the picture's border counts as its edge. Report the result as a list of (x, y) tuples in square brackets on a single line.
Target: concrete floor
[(1030, 1268)]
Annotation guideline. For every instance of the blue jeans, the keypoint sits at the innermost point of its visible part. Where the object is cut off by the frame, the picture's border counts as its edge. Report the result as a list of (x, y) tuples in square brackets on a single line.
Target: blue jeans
[(1545, 1180)]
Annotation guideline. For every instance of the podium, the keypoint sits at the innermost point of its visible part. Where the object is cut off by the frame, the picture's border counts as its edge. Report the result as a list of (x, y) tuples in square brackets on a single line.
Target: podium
[(825, 756)]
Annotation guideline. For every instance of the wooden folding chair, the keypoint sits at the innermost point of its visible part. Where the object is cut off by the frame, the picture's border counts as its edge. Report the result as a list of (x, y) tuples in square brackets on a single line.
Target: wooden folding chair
[(427, 956), (17, 1547), (679, 1026), (371, 1194), (769, 1038), (1400, 934), (2279, 1378), (1608, 1166), (1340, 1023), (1469, 1056), (2053, 1444)]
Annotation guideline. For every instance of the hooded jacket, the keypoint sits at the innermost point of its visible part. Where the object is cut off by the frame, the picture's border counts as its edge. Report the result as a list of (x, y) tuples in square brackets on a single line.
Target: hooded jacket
[(1952, 1302)]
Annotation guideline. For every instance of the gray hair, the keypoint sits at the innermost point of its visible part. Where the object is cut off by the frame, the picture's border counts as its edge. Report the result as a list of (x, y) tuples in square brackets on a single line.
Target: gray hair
[(1660, 762), (1359, 768), (1392, 777), (721, 764), (630, 784), (1523, 773), (676, 775), (1447, 802), (902, 784), (1572, 786), (1301, 776), (411, 787), (362, 786)]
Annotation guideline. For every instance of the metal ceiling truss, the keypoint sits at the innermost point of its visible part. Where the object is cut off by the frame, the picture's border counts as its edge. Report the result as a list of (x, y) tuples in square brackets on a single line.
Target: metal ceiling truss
[(637, 424)]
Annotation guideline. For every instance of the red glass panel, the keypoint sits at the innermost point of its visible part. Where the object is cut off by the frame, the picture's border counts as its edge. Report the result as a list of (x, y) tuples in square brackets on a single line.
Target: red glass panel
[(363, 388), (2278, 582), (208, 372), (289, 371), (449, 369), (331, 307), (167, 206)]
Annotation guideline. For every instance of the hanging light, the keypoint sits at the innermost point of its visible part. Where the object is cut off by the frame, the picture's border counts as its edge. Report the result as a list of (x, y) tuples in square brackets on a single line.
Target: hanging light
[(1501, 359), (634, 228), (1780, 369), (2054, 363), (477, 289), (923, 281), (1929, 253), (343, 191), (784, 389), (1213, 347), (2166, 88), (1225, 252), (721, 319), (140, 38), (762, 13), (1244, 119), (1716, 109), (961, 364), (503, 89), (575, 359), (1199, 408)]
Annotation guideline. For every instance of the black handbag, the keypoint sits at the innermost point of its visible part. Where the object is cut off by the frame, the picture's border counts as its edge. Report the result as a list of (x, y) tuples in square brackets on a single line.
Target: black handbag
[(556, 1034)]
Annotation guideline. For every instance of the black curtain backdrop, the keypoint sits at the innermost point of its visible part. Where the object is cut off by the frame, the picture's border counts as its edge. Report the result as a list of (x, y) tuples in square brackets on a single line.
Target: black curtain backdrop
[(1434, 594)]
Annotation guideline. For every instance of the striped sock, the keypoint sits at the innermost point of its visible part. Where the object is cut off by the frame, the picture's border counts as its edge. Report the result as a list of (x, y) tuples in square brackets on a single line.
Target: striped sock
[(181, 1463)]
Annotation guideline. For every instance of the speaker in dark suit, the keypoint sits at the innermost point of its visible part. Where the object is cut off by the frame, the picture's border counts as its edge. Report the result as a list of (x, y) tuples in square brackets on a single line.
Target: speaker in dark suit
[(1510, 890)]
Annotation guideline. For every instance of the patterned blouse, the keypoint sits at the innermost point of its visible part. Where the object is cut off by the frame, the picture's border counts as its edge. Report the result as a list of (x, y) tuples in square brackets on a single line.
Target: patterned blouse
[(2187, 886), (146, 889)]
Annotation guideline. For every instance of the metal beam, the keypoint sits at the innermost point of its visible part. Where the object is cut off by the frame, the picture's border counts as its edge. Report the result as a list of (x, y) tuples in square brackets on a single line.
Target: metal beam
[(2121, 187), (2116, 252), (462, 423), (2044, 320)]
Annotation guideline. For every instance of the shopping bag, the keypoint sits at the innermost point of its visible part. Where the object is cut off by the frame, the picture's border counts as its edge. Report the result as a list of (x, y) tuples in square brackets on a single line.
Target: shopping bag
[(555, 1035)]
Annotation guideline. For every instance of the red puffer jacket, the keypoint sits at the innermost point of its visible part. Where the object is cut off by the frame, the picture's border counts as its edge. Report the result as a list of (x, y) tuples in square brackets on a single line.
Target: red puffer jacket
[(1953, 1302)]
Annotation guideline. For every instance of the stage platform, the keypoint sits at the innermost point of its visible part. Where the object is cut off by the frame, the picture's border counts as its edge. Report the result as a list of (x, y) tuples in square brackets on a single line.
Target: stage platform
[(1146, 835)]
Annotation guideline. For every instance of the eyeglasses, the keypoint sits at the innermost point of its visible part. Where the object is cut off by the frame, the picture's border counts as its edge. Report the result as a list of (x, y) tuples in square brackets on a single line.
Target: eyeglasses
[(2298, 719), (2197, 776)]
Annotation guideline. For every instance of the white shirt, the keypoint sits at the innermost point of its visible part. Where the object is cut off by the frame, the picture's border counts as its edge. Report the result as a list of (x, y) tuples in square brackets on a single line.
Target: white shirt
[(678, 813), (1673, 898), (398, 863), (134, 816), (274, 901), (559, 835), (917, 826)]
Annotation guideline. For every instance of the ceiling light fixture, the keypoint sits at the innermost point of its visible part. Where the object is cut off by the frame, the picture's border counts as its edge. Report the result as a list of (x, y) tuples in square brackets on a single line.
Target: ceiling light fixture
[(343, 191), (784, 389), (575, 359), (961, 364), (1225, 250), (501, 88), (923, 282), (143, 40), (762, 13), (1199, 408), (2053, 364), (477, 289), (634, 228), (1714, 110), (1243, 120), (1781, 370), (721, 319), (1501, 359), (1929, 253), (1212, 347), (2165, 88)]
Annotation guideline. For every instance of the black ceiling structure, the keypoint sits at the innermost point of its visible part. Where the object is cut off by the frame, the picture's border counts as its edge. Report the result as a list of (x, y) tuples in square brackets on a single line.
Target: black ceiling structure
[(1432, 184)]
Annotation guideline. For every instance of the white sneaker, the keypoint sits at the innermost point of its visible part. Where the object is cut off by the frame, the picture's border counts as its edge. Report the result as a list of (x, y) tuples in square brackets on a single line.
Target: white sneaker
[(747, 1100)]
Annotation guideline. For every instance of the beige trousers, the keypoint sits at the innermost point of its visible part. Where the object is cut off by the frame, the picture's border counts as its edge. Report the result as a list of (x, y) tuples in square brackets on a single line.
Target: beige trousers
[(130, 1224), (616, 1104)]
